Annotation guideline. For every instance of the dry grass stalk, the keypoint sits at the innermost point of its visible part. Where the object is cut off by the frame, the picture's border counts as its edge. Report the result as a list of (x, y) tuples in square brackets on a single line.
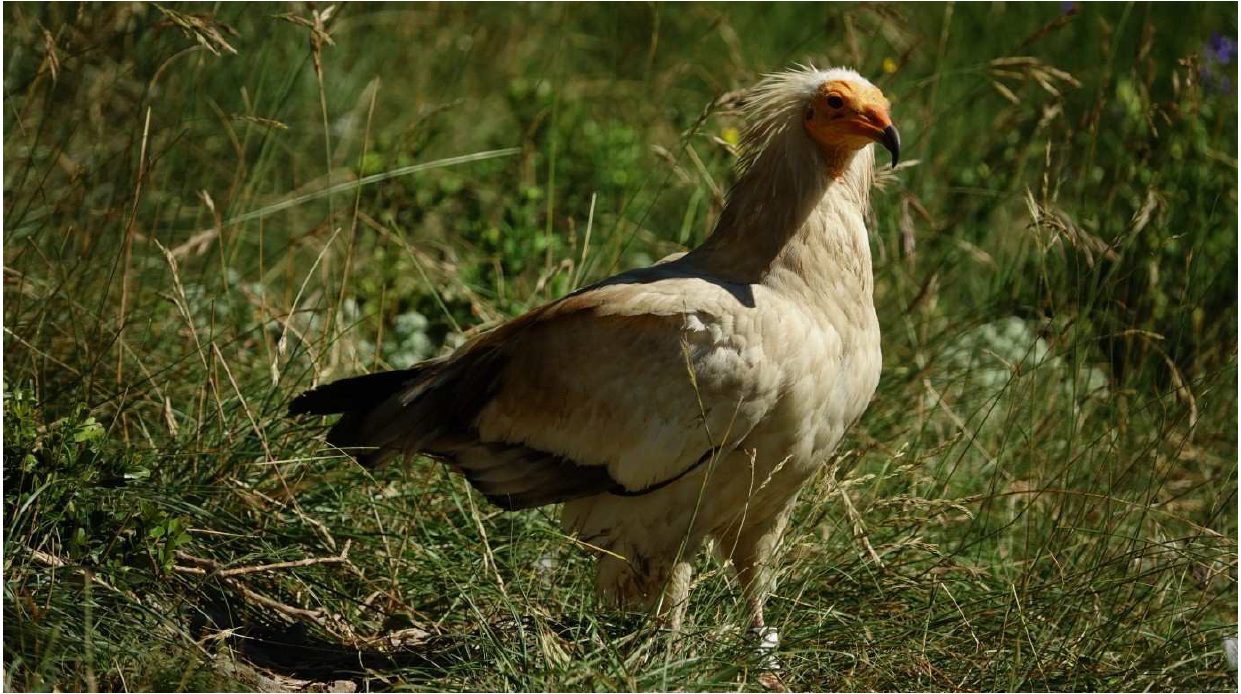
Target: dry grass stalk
[(204, 30), (330, 622)]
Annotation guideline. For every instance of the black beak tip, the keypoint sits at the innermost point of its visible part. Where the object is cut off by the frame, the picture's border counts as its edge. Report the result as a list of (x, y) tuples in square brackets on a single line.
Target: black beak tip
[(892, 142)]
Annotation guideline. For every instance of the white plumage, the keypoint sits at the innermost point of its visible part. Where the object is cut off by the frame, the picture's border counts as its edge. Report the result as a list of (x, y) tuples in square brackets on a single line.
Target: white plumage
[(682, 401)]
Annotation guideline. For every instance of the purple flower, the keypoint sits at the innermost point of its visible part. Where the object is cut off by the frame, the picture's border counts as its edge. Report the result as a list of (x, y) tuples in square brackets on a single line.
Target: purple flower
[(1220, 51), (1067, 8), (1223, 48)]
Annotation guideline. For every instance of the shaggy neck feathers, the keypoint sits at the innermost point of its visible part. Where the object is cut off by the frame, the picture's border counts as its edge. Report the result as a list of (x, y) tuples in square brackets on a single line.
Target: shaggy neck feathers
[(796, 215)]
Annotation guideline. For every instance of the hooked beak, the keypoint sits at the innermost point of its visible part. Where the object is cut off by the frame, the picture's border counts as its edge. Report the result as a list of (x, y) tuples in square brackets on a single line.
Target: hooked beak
[(892, 142)]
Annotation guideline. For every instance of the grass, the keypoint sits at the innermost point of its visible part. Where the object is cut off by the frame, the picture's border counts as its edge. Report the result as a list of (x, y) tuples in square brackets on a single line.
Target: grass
[(1041, 496)]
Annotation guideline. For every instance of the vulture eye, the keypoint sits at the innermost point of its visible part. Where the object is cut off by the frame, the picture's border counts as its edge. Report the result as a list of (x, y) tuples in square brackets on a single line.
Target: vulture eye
[(835, 101)]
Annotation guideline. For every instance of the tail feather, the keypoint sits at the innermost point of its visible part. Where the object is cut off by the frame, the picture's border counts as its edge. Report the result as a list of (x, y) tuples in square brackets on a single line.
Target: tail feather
[(432, 409), (394, 412), (352, 394), (358, 399)]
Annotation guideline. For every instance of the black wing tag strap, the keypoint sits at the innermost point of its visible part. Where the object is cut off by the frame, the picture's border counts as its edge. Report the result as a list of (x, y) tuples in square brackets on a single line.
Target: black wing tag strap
[(619, 490)]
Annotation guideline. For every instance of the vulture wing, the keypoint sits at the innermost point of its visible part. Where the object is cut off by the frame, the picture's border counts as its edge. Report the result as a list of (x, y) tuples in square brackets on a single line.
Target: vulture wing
[(622, 388)]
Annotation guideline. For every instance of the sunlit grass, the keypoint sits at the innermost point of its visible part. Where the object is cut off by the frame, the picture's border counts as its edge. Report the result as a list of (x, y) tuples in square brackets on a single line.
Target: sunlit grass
[(1041, 496)]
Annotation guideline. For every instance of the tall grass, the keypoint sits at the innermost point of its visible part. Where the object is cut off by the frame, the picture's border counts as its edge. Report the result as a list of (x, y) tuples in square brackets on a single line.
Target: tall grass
[(210, 207)]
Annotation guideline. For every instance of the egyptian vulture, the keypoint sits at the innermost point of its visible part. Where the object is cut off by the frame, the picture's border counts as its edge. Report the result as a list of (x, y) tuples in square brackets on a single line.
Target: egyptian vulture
[(683, 401)]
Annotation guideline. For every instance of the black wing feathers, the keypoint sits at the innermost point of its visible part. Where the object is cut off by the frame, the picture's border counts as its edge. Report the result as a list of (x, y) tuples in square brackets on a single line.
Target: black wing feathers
[(352, 394), (432, 409)]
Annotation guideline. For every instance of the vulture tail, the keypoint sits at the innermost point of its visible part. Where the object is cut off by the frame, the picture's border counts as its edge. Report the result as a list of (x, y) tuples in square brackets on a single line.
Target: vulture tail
[(360, 399), (394, 412), (351, 394)]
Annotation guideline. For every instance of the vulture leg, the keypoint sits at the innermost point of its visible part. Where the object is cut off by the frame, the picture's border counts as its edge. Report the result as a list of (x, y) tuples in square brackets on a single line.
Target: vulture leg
[(676, 596), (752, 551), (642, 581)]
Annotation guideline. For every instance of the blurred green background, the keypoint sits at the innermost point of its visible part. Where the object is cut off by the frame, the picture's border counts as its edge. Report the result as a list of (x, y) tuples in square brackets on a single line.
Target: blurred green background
[(208, 207)]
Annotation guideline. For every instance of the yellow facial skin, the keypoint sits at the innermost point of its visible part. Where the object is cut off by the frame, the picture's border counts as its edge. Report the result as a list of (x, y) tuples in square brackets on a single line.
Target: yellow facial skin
[(847, 115)]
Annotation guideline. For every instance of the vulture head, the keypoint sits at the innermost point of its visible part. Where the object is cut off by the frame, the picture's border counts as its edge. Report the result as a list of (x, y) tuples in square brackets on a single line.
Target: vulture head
[(816, 118), (849, 112)]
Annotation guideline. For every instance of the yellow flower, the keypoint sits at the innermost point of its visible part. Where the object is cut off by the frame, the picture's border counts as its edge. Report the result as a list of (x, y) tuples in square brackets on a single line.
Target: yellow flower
[(731, 135), (889, 65)]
